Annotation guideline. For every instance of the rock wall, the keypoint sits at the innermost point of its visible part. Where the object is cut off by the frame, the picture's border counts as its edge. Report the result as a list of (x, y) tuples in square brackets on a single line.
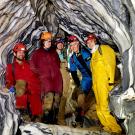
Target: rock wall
[(112, 21)]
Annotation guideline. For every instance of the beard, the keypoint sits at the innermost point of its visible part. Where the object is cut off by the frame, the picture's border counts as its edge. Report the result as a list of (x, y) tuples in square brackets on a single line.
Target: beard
[(20, 59)]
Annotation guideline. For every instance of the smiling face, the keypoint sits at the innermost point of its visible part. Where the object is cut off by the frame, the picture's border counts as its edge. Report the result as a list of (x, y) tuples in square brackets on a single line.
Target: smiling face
[(20, 55), (74, 46), (60, 46), (91, 43), (47, 44)]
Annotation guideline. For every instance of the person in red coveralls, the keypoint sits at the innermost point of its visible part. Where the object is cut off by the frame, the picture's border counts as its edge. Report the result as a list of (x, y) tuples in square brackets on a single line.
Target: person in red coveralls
[(26, 83), (45, 63)]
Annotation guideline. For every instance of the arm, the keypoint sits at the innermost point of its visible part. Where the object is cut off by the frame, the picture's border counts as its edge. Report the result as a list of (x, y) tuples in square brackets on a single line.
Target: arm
[(75, 78), (57, 58), (73, 70), (9, 77), (33, 63), (109, 63)]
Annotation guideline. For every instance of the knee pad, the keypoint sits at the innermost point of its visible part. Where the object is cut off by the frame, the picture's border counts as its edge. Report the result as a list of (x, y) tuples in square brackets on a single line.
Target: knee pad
[(20, 87), (81, 100), (48, 102)]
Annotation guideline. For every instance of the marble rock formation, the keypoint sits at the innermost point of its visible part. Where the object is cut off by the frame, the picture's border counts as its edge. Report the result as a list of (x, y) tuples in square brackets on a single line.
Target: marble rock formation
[(9, 117), (113, 21), (44, 129)]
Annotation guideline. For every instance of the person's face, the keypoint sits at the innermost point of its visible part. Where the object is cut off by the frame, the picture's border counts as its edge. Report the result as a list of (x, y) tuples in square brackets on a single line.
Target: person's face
[(47, 44), (74, 46), (60, 46), (91, 43), (20, 55)]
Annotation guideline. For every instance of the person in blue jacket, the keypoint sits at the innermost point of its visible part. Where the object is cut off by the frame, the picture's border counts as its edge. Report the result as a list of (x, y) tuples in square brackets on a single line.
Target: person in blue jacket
[(80, 60)]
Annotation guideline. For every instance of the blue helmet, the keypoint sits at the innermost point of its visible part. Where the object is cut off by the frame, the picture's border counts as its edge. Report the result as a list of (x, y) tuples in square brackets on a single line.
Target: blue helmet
[(59, 40)]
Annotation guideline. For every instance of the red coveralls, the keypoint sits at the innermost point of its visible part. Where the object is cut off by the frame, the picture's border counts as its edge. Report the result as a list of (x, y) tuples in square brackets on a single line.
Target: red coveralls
[(33, 94)]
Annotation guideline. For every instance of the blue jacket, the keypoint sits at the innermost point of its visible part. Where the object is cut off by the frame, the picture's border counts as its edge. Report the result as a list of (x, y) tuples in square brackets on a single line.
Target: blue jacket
[(75, 64)]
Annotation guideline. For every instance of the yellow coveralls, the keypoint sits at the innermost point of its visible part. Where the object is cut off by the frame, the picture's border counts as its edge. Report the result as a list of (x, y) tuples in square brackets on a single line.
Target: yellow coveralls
[(103, 64)]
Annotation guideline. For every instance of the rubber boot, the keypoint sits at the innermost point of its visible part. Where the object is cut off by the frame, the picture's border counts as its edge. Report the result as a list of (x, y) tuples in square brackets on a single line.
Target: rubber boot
[(61, 113), (24, 115), (36, 118)]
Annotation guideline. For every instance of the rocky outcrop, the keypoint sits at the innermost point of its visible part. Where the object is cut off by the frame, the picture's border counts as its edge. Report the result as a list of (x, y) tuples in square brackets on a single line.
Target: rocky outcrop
[(9, 117)]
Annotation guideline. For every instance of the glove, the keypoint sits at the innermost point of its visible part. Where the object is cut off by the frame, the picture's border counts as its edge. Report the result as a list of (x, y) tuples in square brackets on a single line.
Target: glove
[(12, 89)]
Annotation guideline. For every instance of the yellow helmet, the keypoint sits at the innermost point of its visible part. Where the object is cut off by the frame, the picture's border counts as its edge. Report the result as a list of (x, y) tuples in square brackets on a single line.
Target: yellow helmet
[(46, 36)]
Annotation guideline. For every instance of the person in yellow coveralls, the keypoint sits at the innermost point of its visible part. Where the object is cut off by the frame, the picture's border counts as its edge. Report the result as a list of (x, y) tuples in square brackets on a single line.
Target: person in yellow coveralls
[(103, 64)]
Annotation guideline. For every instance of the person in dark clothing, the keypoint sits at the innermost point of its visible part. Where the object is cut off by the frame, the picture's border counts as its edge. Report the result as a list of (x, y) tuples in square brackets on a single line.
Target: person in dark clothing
[(45, 63)]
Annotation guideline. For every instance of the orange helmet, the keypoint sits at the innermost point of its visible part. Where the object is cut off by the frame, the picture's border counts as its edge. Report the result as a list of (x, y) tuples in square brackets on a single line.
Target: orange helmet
[(46, 36), (90, 37), (19, 47)]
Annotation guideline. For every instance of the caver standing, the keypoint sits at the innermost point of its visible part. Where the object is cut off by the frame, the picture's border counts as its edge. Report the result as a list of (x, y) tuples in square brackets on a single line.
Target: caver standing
[(45, 63), (80, 60), (103, 65), (20, 76), (61, 50)]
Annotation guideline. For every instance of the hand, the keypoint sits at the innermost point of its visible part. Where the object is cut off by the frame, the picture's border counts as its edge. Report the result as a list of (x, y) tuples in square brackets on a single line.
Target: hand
[(67, 69), (12, 89)]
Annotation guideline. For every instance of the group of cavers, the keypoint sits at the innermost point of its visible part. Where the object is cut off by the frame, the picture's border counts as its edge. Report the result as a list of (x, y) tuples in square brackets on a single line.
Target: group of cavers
[(42, 83)]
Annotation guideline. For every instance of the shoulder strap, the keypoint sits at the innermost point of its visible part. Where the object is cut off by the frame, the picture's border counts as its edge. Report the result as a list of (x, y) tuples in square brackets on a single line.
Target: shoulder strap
[(100, 50), (86, 49), (13, 72), (81, 60), (72, 59)]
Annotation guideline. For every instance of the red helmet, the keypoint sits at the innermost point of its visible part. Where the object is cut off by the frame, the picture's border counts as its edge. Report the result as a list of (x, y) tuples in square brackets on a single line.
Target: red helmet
[(72, 38), (90, 37), (19, 47)]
